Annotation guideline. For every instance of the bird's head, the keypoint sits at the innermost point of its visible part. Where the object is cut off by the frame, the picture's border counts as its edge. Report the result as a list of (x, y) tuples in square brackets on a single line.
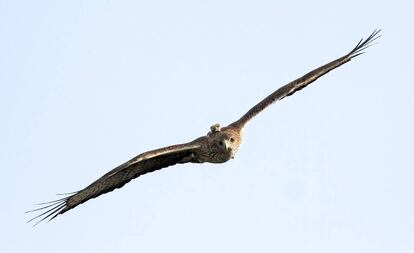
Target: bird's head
[(226, 142)]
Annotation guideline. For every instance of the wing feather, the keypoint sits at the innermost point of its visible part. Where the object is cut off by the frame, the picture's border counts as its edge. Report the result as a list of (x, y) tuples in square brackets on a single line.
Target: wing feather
[(118, 177), (305, 80)]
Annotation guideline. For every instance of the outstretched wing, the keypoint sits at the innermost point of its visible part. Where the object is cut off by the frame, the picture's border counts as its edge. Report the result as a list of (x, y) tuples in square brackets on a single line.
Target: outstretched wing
[(118, 177), (305, 80)]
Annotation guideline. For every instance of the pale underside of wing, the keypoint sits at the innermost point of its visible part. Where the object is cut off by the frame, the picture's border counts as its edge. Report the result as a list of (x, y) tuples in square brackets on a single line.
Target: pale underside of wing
[(118, 177), (305, 80)]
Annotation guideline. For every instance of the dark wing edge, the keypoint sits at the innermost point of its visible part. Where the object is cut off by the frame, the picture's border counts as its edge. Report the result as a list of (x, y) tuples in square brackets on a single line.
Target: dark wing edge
[(305, 80), (116, 178)]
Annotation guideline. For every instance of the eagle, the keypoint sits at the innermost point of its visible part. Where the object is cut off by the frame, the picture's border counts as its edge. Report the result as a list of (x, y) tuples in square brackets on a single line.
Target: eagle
[(219, 145)]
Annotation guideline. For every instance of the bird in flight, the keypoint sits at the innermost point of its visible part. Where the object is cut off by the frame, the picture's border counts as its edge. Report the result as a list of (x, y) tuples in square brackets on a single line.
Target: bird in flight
[(219, 145)]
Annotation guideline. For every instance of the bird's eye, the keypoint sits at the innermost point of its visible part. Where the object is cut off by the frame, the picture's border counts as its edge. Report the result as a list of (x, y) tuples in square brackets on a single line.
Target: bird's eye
[(232, 139), (221, 143)]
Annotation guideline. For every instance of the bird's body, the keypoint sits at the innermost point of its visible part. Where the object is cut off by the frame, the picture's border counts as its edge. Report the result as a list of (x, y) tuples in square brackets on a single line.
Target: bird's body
[(219, 145)]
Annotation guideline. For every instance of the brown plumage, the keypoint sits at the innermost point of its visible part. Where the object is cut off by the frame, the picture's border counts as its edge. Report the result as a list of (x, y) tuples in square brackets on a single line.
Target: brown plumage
[(218, 146)]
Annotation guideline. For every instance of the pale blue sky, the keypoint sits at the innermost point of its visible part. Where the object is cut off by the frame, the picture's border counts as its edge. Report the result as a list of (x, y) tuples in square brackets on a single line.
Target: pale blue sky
[(86, 85)]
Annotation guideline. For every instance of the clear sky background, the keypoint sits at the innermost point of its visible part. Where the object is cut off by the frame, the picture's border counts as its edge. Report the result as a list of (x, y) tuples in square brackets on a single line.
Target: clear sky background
[(87, 85)]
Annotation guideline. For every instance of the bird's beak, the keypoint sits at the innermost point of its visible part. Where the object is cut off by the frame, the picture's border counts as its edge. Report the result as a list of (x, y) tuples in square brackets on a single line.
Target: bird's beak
[(227, 145)]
